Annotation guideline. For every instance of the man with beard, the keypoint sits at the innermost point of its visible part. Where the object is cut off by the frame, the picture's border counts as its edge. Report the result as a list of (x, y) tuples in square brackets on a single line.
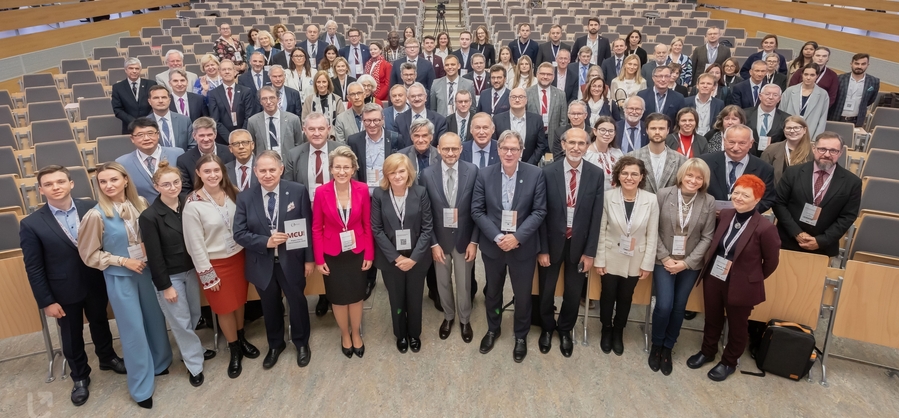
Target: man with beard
[(857, 91), (599, 46)]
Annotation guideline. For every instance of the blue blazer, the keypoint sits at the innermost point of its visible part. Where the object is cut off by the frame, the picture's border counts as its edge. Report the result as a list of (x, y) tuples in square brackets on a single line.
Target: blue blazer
[(389, 112), (674, 102), (424, 73), (252, 231), (741, 94), (364, 53), (529, 201), (485, 103), (139, 175), (715, 107), (468, 154), (291, 96), (535, 143), (320, 46), (246, 79), (183, 130), (747, 65), (54, 268), (404, 124)]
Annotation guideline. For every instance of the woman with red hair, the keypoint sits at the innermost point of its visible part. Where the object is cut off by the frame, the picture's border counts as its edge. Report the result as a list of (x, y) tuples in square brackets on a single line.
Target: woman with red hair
[(745, 250)]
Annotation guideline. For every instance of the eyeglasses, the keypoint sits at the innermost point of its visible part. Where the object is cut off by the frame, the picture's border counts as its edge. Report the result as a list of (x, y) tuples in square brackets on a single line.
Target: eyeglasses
[(143, 135), (354, 94), (170, 185), (268, 99), (342, 168), (451, 150), (241, 144), (827, 151), (576, 114), (792, 128), (605, 132), (506, 150), (628, 175), (634, 109), (371, 121), (517, 97)]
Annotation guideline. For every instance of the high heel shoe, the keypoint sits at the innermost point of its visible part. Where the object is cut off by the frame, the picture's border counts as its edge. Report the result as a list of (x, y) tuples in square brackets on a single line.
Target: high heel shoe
[(347, 351), (359, 351), (146, 403)]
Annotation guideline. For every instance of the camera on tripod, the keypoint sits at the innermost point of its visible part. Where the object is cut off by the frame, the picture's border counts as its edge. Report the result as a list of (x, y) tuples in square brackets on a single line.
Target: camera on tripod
[(441, 8)]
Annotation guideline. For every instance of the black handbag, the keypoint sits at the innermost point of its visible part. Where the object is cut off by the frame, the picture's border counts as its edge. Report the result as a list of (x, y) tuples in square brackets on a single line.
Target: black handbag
[(787, 349)]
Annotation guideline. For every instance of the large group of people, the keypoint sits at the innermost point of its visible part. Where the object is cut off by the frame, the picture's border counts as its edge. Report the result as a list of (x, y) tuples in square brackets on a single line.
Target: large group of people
[(410, 158)]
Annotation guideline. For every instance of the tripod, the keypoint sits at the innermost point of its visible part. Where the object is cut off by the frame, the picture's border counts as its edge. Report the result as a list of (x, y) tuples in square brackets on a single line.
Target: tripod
[(441, 20)]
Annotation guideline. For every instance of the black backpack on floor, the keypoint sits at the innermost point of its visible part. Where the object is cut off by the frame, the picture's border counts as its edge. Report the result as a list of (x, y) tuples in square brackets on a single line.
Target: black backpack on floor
[(787, 349)]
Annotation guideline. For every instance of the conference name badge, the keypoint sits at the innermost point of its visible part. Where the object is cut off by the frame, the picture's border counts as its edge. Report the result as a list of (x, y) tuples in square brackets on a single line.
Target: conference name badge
[(569, 217), (810, 214), (764, 141), (403, 239), (137, 252), (679, 247), (373, 177), (626, 245), (450, 218), (296, 233), (509, 221), (721, 268), (347, 240)]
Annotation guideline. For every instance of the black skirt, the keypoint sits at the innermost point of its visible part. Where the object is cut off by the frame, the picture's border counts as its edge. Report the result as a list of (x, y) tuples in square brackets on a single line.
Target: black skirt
[(347, 282)]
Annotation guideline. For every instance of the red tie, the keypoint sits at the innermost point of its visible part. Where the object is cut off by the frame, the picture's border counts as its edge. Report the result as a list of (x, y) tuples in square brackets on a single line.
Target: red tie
[(358, 60), (543, 103), (819, 183), (572, 196), (244, 179), (319, 176), (230, 97), (429, 59)]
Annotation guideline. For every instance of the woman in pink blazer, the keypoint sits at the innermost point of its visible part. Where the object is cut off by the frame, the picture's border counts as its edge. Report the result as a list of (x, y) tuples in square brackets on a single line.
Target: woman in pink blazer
[(343, 245)]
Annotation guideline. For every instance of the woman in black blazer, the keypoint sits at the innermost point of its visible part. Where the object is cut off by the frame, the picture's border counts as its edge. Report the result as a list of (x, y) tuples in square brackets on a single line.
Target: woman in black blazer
[(177, 285), (401, 225), (482, 44)]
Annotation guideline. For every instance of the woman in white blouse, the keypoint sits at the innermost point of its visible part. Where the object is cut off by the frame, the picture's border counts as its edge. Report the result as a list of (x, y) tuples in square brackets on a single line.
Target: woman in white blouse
[(603, 151), (524, 74), (299, 73), (629, 80), (208, 219)]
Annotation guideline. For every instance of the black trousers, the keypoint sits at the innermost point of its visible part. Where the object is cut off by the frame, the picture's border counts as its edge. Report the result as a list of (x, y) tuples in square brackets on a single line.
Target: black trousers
[(521, 274), (616, 295), (405, 290), (574, 282), (273, 309), (71, 329)]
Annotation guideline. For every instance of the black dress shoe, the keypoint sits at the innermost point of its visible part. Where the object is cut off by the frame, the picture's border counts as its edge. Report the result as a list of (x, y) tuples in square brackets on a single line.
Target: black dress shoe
[(201, 324), (698, 360), (369, 288), (566, 343), (720, 372), (304, 355), (80, 392), (347, 351), (272, 357), (655, 357), (321, 308), (467, 334), (359, 352), (146, 403), (520, 351), (605, 342), (666, 365), (234, 365), (688, 315), (487, 341), (414, 344), (402, 345), (618, 341), (197, 380), (164, 372), (208, 355), (249, 350), (115, 364), (545, 342), (446, 328)]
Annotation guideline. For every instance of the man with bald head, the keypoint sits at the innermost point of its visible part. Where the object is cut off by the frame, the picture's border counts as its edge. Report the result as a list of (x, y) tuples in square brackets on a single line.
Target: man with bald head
[(660, 57), (315, 48), (257, 76)]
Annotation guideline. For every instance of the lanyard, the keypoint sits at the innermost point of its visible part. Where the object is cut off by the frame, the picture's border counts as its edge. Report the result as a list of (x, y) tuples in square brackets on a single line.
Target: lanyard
[(787, 151), (823, 187), (660, 105), (820, 76), (344, 215), (128, 224), (728, 247), (371, 162), (627, 217), (680, 212), (272, 220), (555, 50), (65, 228), (687, 151), (225, 217), (520, 52), (396, 207)]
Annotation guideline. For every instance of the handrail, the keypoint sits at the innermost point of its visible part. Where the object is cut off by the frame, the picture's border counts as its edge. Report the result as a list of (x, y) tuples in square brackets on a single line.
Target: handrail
[(54, 13)]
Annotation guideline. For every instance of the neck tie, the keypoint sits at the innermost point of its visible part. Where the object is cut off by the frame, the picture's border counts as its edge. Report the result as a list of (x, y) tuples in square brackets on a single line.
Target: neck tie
[(764, 130), (134, 88), (271, 208), (151, 165), (450, 189), (633, 142), (319, 176), (732, 177), (272, 132), (333, 40), (755, 95), (166, 140), (819, 183), (572, 196), (358, 60), (451, 96), (230, 97), (258, 81), (430, 60), (583, 74), (312, 48), (483, 162), (543, 103), (181, 103), (416, 116), (617, 66), (244, 178), (477, 86), (462, 129), (495, 100)]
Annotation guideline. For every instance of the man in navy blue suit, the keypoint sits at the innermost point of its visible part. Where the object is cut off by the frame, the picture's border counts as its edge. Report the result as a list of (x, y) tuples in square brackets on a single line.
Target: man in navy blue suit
[(257, 77), (423, 69), (528, 124), (659, 98), (314, 46), (524, 45), (356, 54), (418, 99), (630, 133), (565, 77), (495, 100), (63, 286), (226, 103), (746, 93), (273, 222), (706, 106), (481, 150)]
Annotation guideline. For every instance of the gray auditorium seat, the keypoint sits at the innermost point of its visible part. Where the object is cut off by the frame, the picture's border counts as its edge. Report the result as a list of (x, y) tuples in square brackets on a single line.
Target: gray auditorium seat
[(9, 222), (154, 70), (51, 130), (45, 111), (150, 32), (880, 195), (884, 137), (884, 116), (845, 130), (37, 80), (87, 91), (179, 31), (129, 41), (64, 153), (109, 63), (97, 106), (41, 94), (104, 52), (111, 147), (876, 234), (167, 24), (6, 99), (8, 139), (10, 200), (9, 163), (73, 65), (105, 125), (83, 187), (80, 77), (881, 163), (114, 75), (7, 117)]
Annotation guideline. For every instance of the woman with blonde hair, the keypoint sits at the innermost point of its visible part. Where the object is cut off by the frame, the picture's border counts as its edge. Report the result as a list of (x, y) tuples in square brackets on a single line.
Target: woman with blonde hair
[(322, 99), (341, 78), (278, 30), (629, 80), (109, 239), (267, 46), (484, 45), (796, 150), (676, 57), (524, 74), (210, 78)]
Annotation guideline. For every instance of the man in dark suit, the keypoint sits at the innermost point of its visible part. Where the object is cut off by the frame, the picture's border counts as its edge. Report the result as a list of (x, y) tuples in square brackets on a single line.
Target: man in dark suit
[(314, 47), (273, 222), (64, 288), (331, 37), (564, 76), (454, 242), (374, 141), (857, 91), (257, 77), (399, 104), (308, 163), (706, 106), (424, 71), (817, 201), (226, 103), (183, 102), (464, 53), (288, 98), (549, 51), (482, 150), (766, 120), (661, 99), (421, 152), (240, 170), (709, 53), (204, 135), (599, 46), (630, 132), (478, 76), (130, 97), (523, 45), (568, 235), (174, 129), (508, 205), (528, 125), (746, 93), (356, 53), (611, 66), (418, 100), (728, 165), (496, 99), (459, 122), (427, 52), (288, 45)]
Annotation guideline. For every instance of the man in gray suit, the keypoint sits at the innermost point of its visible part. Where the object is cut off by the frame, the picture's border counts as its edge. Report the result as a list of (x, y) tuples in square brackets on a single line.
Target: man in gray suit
[(710, 53), (240, 171), (273, 129), (143, 162), (508, 205), (350, 122), (444, 89), (331, 37), (549, 102), (454, 243), (422, 154), (308, 163), (174, 129), (661, 162), (174, 59)]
